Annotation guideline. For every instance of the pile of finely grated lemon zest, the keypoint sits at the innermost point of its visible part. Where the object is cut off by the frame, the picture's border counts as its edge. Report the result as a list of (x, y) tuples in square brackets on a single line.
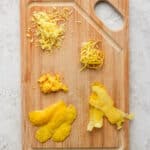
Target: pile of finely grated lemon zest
[(101, 100), (48, 28), (91, 56), (51, 83), (58, 124)]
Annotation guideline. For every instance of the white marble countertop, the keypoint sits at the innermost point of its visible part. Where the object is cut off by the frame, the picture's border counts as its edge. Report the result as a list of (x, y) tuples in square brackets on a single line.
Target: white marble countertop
[(10, 125)]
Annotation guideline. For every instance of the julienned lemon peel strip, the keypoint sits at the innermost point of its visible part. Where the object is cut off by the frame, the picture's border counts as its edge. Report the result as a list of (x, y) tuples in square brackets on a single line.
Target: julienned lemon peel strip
[(91, 56)]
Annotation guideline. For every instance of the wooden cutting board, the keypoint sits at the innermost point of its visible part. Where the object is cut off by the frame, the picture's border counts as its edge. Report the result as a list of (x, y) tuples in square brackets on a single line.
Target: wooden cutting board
[(65, 61)]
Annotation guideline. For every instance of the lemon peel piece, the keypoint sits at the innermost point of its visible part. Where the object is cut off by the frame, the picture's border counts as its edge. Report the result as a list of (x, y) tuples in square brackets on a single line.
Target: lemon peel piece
[(100, 92), (71, 114), (61, 133), (101, 100), (45, 132), (58, 127), (96, 118)]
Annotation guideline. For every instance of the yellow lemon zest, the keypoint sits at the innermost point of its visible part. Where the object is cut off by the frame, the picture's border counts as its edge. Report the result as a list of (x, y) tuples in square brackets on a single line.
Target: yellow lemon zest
[(91, 56), (40, 117), (48, 28), (49, 83)]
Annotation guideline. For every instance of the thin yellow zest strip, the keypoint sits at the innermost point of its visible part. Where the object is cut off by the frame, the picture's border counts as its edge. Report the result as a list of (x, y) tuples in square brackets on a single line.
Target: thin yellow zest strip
[(91, 56)]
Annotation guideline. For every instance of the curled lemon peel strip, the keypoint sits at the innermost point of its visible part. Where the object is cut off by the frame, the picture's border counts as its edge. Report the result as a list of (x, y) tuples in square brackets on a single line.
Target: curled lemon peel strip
[(101, 100)]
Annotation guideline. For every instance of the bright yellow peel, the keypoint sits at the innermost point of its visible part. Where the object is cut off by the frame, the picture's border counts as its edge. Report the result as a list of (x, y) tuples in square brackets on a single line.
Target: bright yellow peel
[(40, 117), (101, 100), (48, 28), (58, 127), (96, 118), (61, 133), (51, 83), (43, 134), (57, 119), (91, 56)]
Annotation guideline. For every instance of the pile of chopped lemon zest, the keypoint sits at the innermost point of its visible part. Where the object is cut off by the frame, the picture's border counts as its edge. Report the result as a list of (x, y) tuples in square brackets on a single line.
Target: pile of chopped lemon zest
[(51, 83), (91, 56), (57, 126), (101, 100), (48, 28)]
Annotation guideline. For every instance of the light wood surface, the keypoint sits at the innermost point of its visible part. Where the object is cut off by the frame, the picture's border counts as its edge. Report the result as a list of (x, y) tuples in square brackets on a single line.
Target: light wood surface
[(65, 61)]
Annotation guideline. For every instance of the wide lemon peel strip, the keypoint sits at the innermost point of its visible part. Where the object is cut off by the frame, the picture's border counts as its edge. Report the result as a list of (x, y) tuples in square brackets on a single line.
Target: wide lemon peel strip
[(40, 117), (101, 100), (59, 118), (96, 118), (59, 127), (62, 132)]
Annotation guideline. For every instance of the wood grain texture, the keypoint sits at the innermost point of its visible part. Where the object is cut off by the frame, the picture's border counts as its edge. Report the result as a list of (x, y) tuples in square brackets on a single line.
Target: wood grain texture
[(65, 61)]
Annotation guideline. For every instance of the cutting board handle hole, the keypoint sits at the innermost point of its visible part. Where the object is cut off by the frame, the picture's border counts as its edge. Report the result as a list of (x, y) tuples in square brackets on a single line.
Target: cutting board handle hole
[(109, 15)]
